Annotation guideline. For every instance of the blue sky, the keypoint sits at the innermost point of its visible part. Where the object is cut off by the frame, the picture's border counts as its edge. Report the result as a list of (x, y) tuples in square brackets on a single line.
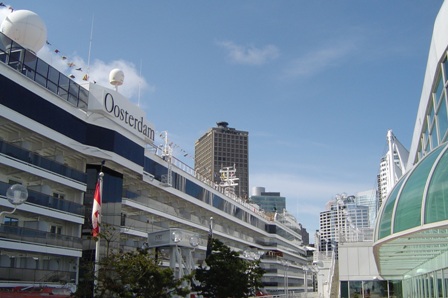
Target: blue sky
[(317, 84)]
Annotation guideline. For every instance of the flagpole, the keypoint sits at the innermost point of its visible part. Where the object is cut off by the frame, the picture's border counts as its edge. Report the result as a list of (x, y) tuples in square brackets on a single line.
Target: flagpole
[(96, 226), (209, 239)]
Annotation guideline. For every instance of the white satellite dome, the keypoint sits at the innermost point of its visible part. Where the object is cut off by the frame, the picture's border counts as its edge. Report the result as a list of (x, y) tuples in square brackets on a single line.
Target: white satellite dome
[(116, 77), (26, 28)]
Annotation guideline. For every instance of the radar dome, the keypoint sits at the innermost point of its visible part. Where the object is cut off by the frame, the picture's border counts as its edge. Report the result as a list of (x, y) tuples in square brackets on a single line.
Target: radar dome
[(26, 28), (116, 77)]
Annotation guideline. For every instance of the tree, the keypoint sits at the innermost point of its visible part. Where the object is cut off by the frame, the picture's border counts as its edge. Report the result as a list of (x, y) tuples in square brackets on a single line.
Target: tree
[(137, 274), (228, 275)]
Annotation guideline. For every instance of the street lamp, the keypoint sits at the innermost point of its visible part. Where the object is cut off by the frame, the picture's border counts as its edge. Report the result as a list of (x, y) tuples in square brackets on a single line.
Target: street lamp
[(305, 279), (285, 278), (16, 194)]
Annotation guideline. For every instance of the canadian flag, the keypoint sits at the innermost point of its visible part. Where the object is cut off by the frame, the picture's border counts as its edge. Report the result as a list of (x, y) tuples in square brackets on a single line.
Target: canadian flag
[(96, 210)]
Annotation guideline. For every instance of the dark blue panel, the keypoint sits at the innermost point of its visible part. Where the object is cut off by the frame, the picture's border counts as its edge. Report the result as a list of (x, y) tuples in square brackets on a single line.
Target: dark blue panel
[(34, 107)]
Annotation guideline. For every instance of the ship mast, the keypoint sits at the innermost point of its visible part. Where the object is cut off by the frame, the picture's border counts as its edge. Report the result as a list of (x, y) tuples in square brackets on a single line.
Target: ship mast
[(228, 180), (167, 153)]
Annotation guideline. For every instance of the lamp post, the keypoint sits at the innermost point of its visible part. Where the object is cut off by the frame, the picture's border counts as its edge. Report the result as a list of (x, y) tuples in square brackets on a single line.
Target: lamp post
[(16, 194), (285, 278), (305, 279)]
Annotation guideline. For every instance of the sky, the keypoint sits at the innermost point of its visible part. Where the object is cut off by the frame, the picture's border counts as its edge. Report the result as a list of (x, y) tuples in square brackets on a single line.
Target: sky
[(317, 84)]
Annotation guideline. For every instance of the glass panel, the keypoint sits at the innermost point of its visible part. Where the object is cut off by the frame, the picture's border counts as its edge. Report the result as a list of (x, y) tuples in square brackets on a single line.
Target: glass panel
[(41, 80), (437, 197), (386, 217), (30, 61), (5, 43), (442, 121), (52, 87), (14, 59), (408, 211), (63, 86), (53, 75), (434, 140), (445, 68), (63, 82), (438, 89), (42, 68), (430, 113), (83, 97), (74, 89), (355, 288), (344, 289)]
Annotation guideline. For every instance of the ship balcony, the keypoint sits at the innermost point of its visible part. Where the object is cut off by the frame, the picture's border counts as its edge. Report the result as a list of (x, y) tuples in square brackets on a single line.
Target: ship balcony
[(49, 202), (13, 275), (12, 152), (38, 237)]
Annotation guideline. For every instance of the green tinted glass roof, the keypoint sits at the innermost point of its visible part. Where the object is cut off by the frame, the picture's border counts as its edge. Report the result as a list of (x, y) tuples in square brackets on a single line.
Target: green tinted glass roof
[(425, 186)]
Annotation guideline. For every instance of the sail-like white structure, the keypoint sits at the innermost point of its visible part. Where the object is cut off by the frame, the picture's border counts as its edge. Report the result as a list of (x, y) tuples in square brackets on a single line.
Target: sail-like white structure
[(392, 165)]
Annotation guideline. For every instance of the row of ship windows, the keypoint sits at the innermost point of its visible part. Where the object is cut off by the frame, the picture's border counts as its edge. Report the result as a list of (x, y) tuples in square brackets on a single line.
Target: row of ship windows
[(42, 73)]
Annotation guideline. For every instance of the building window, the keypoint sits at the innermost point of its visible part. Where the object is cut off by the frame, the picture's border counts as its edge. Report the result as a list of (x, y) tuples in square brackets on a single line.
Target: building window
[(56, 230), (58, 195), (10, 221)]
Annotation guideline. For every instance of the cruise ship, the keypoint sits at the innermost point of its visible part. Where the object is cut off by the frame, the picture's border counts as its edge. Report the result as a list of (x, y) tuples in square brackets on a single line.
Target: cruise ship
[(57, 134)]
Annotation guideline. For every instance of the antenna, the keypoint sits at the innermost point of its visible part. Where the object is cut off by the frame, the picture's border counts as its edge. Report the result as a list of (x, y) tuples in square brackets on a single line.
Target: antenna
[(139, 82), (90, 46)]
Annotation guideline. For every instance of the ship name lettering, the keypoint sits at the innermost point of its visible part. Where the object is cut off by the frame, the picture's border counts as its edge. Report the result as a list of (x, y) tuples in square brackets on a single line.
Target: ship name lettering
[(123, 115)]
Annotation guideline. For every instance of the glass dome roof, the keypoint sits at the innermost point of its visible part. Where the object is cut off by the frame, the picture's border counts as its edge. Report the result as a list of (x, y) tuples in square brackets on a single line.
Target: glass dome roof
[(412, 228), (419, 198)]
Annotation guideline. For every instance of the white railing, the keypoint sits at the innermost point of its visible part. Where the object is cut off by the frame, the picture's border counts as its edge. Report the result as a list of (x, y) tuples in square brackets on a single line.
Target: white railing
[(190, 171)]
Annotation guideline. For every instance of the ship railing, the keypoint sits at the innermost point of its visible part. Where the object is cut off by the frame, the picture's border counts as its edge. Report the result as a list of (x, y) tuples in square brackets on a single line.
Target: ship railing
[(36, 69), (39, 237), (192, 172), (10, 274), (15, 152)]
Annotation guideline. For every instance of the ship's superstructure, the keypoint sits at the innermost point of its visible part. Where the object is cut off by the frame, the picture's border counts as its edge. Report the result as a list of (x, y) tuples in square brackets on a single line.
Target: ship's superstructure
[(55, 138)]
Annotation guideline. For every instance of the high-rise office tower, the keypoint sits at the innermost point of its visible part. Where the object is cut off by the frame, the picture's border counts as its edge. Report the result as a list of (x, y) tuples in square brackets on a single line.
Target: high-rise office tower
[(224, 147), (270, 202)]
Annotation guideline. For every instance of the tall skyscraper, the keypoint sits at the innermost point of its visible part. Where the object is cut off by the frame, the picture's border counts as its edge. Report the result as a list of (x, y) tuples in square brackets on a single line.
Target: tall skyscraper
[(343, 221), (224, 147)]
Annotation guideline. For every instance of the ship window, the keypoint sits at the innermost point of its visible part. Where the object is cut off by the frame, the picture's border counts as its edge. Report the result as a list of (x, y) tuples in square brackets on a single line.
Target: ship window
[(53, 75), (52, 87), (83, 97), (63, 86), (42, 68), (10, 221), (6, 41), (41, 80), (56, 230), (14, 59), (30, 64)]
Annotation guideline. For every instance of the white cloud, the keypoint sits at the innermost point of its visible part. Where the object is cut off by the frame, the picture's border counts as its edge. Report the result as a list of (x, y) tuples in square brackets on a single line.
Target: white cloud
[(249, 54), (318, 60), (98, 72)]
